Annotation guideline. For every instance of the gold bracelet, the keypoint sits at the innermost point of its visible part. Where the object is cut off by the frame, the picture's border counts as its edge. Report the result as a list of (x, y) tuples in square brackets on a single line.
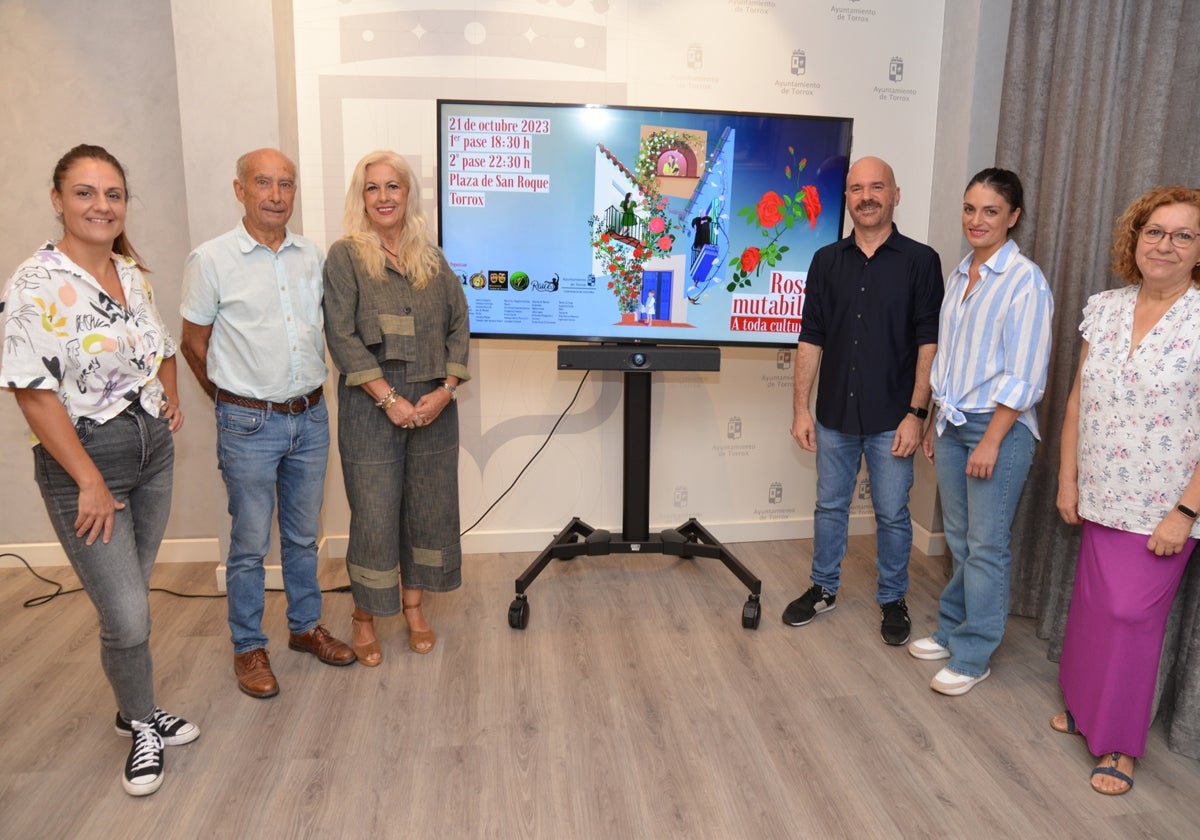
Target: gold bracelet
[(388, 399)]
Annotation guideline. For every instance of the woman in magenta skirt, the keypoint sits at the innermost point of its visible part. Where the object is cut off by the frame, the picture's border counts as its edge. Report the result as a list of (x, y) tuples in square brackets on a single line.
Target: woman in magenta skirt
[(1129, 474)]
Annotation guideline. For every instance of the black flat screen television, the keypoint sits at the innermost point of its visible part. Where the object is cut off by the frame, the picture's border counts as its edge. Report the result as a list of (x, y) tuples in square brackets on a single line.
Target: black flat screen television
[(632, 225)]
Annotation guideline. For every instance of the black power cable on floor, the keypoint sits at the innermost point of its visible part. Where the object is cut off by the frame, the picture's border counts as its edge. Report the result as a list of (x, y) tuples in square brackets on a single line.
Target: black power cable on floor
[(39, 600)]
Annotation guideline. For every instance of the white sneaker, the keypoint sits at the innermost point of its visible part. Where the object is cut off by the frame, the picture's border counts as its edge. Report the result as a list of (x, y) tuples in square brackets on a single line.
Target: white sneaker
[(927, 648), (952, 683)]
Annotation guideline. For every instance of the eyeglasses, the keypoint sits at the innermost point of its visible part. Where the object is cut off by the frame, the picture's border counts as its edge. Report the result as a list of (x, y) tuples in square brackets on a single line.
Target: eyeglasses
[(1180, 239)]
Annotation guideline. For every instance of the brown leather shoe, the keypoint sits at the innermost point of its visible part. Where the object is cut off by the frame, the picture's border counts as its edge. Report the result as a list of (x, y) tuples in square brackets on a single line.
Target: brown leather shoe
[(254, 675), (320, 644)]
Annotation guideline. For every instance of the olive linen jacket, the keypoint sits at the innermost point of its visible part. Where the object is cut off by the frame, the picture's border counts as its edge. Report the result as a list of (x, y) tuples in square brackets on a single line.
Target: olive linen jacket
[(369, 322)]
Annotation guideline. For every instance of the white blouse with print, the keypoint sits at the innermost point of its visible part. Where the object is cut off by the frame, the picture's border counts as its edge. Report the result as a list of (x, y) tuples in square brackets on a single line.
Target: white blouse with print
[(63, 332), (1139, 412)]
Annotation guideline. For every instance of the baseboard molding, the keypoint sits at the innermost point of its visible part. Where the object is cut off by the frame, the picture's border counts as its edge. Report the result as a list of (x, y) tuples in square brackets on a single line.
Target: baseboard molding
[(208, 549), (202, 550), (274, 571), (929, 543), (726, 532)]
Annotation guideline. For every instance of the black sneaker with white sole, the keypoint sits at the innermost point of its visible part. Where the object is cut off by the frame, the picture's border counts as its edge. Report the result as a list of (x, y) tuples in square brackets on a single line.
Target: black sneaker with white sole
[(144, 767), (173, 730), (808, 606), (896, 626)]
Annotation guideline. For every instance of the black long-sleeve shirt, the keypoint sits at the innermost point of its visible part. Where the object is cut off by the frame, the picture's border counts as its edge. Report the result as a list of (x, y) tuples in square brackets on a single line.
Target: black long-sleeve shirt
[(870, 316)]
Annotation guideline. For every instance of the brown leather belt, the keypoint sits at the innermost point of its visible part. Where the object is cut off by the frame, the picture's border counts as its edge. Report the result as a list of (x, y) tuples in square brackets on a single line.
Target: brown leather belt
[(298, 405)]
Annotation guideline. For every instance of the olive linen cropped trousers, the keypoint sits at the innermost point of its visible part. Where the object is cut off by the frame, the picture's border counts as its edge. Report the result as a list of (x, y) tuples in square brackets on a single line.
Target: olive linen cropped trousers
[(402, 486)]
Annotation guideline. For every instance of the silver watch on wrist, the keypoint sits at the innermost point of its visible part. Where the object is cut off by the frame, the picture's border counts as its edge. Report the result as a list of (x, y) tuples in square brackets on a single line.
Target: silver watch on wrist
[(452, 389)]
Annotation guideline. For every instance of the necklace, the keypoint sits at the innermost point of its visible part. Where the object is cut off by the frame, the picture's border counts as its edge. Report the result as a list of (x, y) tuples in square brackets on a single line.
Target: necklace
[(389, 250)]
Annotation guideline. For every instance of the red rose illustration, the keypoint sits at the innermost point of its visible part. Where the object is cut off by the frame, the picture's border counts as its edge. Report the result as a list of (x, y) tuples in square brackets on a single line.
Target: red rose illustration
[(770, 209), (812, 205), (750, 258)]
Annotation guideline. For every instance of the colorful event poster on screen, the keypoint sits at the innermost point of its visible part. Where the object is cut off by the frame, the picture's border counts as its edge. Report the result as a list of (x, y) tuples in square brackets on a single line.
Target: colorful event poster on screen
[(636, 225)]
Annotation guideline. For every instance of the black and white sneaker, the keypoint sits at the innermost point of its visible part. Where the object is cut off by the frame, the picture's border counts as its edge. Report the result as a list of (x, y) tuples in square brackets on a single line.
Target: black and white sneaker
[(173, 730), (804, 609), (896, 625), (144, 767)]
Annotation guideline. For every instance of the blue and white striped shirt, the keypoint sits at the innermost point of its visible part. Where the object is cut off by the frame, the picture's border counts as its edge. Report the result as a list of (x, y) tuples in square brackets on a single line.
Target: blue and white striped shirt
[(994, 344)]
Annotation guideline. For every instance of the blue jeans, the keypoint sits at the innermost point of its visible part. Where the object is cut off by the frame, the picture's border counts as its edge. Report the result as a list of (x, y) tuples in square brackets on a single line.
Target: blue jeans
[(838, 458), (136, 455), (263, 454), (977, 515)]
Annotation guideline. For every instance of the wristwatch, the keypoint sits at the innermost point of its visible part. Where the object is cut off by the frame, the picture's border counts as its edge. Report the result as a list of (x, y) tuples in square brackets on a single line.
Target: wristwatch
[(919, 413), (452, 389), (1186, 511)]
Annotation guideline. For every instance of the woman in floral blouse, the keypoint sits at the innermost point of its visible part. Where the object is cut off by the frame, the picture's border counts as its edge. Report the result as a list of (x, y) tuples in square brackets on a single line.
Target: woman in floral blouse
[(1129, 473), (93, 370)]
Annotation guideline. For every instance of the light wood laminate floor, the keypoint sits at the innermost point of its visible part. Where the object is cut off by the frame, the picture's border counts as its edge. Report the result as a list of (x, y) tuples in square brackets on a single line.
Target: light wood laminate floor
[(634, 706)]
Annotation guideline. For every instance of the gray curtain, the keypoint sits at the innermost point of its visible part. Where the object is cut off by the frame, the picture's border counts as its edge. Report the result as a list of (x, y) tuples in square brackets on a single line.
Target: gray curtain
[(1098, 106)]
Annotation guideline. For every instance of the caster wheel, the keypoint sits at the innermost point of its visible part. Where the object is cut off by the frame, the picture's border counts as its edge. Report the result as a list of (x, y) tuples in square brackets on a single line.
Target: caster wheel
[(751, 613), (518, 613)]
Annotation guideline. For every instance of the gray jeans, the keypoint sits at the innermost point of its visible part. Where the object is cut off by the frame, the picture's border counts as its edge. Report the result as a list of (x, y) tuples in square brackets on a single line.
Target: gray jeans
[(136, 455), (402, 485)]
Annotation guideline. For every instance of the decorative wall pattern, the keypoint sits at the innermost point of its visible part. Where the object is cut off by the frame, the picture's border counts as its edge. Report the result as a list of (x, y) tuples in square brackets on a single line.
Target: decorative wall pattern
[(368, 73)]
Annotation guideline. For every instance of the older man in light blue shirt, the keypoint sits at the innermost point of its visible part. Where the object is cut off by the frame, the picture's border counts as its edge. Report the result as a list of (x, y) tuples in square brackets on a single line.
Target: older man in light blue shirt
[(252, 335)]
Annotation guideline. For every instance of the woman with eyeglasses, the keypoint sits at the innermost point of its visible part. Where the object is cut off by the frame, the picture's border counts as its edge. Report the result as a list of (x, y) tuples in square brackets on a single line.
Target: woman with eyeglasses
[(1130, 474)]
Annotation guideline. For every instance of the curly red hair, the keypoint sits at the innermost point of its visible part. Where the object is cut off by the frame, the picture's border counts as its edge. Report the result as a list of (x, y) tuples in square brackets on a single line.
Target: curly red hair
[(1129, 226)]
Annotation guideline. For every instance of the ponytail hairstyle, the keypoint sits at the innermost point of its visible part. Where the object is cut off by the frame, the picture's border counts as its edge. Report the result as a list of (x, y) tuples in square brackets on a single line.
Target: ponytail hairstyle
[(1006, 184), (84, 151)]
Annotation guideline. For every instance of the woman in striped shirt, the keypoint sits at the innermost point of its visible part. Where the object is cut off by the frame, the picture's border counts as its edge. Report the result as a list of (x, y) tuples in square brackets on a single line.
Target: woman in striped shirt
[(988, 376)]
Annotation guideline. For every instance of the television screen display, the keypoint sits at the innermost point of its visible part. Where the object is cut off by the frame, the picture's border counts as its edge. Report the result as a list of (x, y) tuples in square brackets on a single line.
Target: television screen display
[(636, 225)]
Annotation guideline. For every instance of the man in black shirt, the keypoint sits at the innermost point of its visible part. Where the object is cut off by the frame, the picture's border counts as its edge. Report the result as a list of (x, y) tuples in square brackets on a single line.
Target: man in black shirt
[(870, 326)]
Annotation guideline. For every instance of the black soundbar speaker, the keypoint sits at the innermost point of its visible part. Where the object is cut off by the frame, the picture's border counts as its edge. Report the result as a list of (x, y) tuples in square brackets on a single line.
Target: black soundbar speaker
[(637, 357)]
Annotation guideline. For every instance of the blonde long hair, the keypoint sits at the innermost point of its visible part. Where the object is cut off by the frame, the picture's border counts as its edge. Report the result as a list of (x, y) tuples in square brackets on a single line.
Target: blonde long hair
[(417, 255)]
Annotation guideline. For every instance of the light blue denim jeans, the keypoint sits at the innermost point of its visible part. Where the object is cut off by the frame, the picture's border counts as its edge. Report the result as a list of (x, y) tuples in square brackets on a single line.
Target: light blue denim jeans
[(136, 455), (838, 458), (977, 515), (262, 455)]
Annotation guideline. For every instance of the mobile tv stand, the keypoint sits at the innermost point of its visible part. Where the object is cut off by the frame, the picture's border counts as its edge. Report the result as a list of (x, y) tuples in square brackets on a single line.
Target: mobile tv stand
[(690, 539)]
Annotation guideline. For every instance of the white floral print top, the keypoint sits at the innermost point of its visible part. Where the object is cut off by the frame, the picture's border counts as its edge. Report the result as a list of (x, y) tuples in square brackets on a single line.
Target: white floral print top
[(1139, 413), (62, 332)]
